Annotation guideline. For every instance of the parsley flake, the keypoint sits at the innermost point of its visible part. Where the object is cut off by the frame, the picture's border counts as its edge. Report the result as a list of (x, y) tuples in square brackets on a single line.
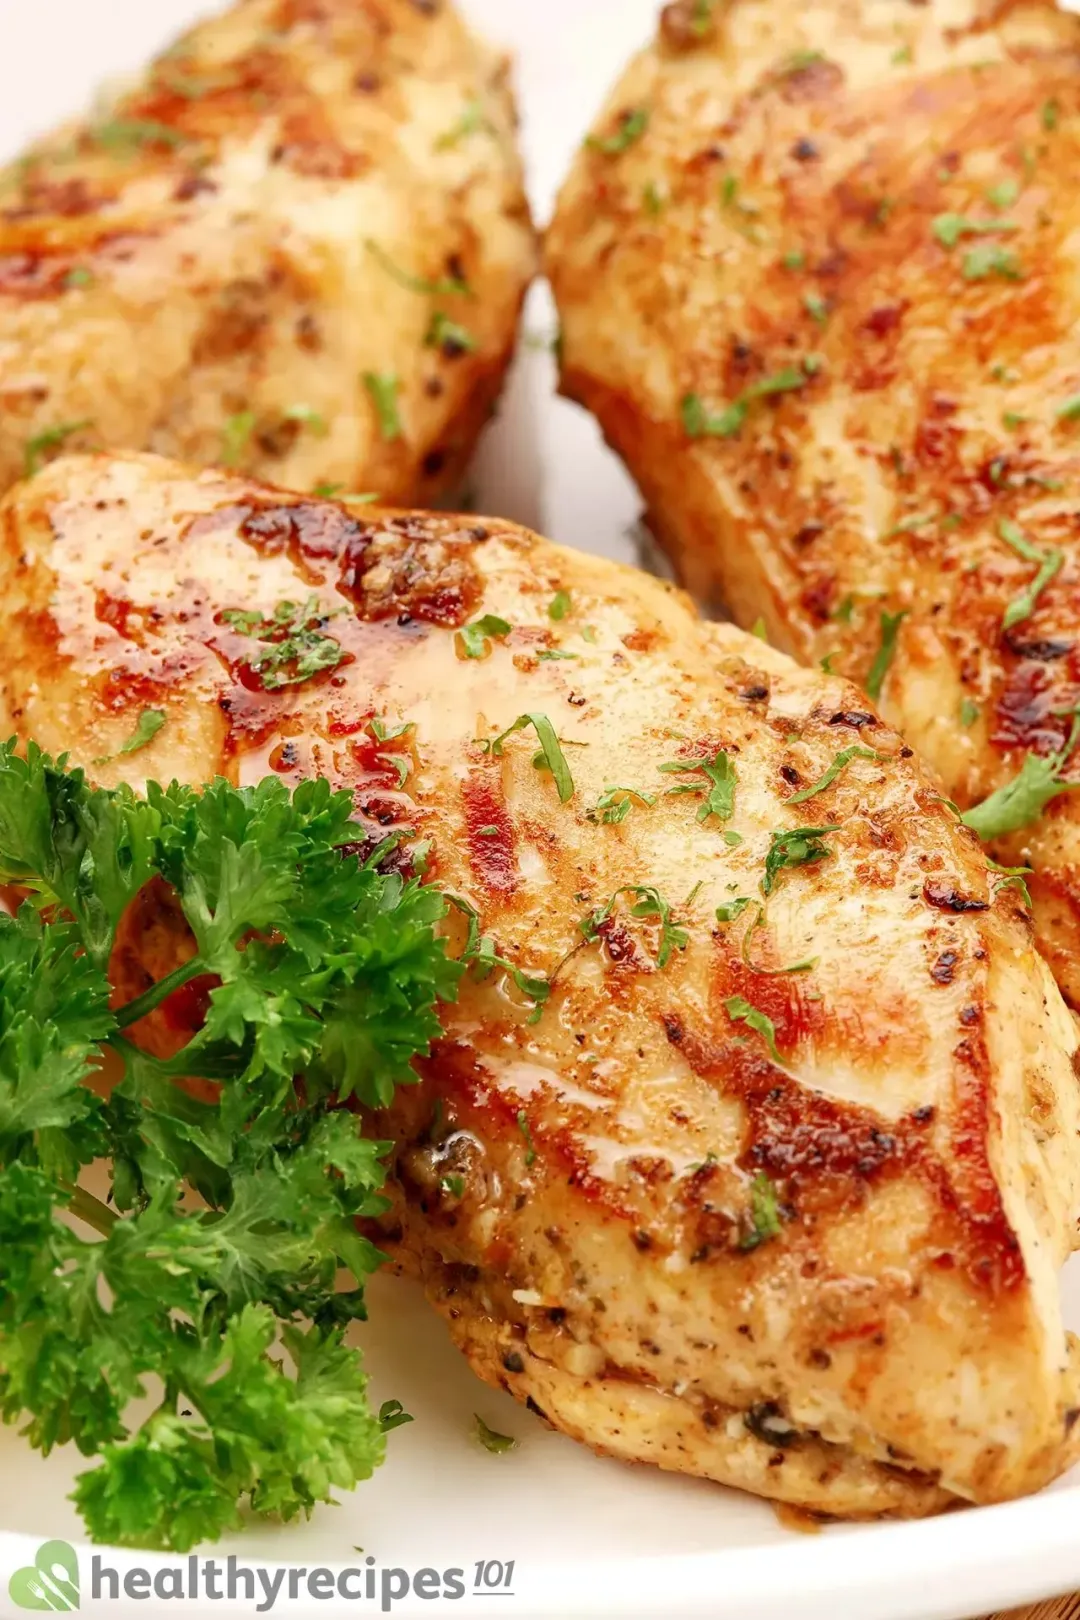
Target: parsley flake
[(701, 423), (428, 286), (473, 638), (722, 778), (550, 750), (296, 645), (739, 1010), (383, 388), (614, 804), (1021, 801), (890, 629), (37, 448), (1050, 563), (795, 846), (650, 903), (147, 726), (632, 126), (764, 1214), (842, 760)]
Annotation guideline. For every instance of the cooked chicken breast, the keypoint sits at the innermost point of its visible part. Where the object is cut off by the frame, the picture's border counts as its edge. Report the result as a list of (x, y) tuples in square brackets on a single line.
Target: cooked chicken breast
[(750, 1149), (298, 245), (816, 277)]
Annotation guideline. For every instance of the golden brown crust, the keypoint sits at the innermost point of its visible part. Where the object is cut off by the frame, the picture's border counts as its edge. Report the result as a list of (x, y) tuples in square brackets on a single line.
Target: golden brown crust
[(895, 1318), (879, 203), (294, 197)]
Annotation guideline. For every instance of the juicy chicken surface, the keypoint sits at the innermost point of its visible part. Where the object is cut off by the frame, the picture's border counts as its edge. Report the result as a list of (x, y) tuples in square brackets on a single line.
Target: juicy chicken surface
[(778, 1200), (297, 245), (817, 280)]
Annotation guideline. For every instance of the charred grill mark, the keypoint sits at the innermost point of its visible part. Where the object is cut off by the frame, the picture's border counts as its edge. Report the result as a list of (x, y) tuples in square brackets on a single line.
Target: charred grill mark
[(943, 894), (1024, 714), (490, 832)]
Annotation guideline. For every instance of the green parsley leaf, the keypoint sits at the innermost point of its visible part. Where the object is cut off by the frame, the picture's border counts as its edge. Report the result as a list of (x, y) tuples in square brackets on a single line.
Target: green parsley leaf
[(474, 637), (1049, 116), (37, 448), (147, 726), (816, 307), (336, 492), (1021, 801), (1012, 877), (560, 605), (890, 629), (296, 645), (1050, 563), (764, 1216), (650, 903), (732, 909), (321, 967), (449, 336), (309, 417), (490, 1439), (554, 654), (614, 804), (383, 388), (428, 286), (79, 276), (794, 846), (632, 126), (471, 122), (1070, 410), (700, 423), (392, 1415), (969, 712), (991, 260), (1004, 194), (235, 437), (739, 1010), (720, 773), (530, 1146), (842, 760), (949, 228), (550, 749), (125, 135), (794, 260)]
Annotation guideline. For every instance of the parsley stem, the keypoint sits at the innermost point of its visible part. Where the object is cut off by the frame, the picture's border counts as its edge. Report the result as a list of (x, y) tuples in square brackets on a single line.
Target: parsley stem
[(158, 992), (91, 1210)]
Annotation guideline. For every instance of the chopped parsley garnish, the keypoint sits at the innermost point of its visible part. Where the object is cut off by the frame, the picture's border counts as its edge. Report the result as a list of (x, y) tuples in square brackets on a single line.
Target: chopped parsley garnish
[(490, 1439), (615, 803), (650, 903), (1070, 410), (392, 1415), (550, 750), (383, 388), (739, 1010), (701, 423), (794, 260), (722, 778), (1050, 562), (1049, 116), (338, 492), (991, 260), (560, 605), (530, 1146), (632, 126), (320, 967), (654, 198), (310, 418), (128, 134), (79, 276), (764, 1216), (430, 287), (554, 654), (969, 712), (147, 726), (454, 1185), (480, 954), (842, 760), (733, 908), (795, 846), (449, 336), (816, 307), (890, 629), (1004, 194), (37, 448), (949, 228), (1012, 877), (474, 637), (471, 122), (1020, 801), (296, 646), (235, 436)]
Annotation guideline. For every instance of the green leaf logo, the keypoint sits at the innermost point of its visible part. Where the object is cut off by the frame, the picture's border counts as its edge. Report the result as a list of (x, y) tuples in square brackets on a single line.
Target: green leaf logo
[(51, 1582)]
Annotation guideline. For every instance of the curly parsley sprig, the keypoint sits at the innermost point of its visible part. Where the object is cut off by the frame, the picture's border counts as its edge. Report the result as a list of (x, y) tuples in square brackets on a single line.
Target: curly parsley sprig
[(321, 967)]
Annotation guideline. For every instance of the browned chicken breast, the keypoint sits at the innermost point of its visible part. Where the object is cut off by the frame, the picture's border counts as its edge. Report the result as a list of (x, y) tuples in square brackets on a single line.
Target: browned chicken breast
[(816, 271), (750, 1149), (298, 245)]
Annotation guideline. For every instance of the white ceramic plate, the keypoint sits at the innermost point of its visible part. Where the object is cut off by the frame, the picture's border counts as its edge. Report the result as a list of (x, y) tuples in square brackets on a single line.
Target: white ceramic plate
[(586, 1537)]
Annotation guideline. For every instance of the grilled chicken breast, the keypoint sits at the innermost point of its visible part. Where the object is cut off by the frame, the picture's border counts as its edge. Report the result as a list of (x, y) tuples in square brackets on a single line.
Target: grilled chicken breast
[(298, 245), (816, 277), (750, 1148)]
